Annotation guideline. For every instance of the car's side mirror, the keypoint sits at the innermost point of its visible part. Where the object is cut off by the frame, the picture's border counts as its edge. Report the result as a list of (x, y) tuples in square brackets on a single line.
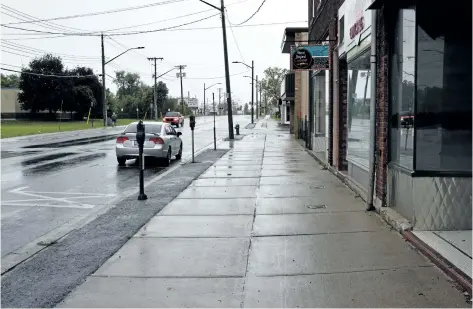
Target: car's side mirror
[(179, 134)]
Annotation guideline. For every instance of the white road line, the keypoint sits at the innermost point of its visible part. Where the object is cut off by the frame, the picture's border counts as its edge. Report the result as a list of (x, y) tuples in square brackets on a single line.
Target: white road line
[(82, 206)]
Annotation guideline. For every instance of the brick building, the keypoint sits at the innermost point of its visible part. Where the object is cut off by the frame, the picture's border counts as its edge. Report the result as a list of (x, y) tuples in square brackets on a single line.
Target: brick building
[(402, 130)]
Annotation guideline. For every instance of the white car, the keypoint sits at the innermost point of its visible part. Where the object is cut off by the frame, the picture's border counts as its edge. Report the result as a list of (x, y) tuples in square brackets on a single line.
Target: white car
[(162, 142)]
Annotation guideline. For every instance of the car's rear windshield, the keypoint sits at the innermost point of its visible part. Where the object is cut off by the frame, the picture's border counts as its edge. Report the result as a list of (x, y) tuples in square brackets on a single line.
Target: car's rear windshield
[(149, 128), (172, 114)]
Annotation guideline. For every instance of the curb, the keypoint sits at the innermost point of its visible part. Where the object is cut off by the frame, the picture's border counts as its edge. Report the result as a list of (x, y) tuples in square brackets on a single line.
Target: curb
[(449, 269)]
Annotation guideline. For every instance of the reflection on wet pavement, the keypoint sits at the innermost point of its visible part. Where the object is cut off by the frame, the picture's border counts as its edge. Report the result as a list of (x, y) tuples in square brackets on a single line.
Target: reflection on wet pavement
[(46, 158), (12, 154), (55, 166), (73, 143)]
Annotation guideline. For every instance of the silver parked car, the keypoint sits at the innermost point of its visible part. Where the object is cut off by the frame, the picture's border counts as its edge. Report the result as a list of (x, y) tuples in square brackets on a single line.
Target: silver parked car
[(162, 142)]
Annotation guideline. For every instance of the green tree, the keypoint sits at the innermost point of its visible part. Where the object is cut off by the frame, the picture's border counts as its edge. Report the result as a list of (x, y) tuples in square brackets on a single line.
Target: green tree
[(246, 111), (40, 93), (10, 80), (271, 83)]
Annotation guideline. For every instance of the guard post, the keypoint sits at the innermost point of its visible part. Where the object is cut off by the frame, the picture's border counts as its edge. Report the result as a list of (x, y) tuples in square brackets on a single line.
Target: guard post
[(140, 138), (192, 125)]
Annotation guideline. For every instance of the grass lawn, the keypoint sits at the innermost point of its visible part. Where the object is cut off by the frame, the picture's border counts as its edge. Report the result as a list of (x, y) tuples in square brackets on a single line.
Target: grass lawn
[(21, 128)]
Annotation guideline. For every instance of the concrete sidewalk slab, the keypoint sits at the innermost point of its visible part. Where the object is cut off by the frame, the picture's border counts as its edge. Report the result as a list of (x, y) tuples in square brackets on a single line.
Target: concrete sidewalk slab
[(223, 192), (298, 190), (316, 223), (198, 226), (124, 292), (231, 174), (392, 288), (322, 179), (202, 207), (330, 253), (224, 182), (301, 205), (179, 257)]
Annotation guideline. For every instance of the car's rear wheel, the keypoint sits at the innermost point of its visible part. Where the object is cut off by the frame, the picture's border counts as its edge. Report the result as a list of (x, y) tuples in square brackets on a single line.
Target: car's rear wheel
[(179, 155), (121, 161), (167, 160)]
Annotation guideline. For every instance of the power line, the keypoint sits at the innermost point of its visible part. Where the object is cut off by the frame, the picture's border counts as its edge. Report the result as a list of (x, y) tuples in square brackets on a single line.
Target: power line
[(111, 34), (28, 17), (99, 13), (36, 53), (181, 29), (24, 47), (259, 8), (216, 77), (234, 38), (49, 75)]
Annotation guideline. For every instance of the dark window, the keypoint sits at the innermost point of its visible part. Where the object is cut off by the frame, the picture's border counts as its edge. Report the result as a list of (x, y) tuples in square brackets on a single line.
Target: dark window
[(444, 100), (402, 91), (341, 31), (359, 109), (149, 128), (169, 130), (172, 114)]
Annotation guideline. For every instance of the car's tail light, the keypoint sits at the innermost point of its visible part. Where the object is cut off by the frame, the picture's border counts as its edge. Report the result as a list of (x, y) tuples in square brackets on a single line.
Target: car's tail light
[(121, 139), (157, 140)]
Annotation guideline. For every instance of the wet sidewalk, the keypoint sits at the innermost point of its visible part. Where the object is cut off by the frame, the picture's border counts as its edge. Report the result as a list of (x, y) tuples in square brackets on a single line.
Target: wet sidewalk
[(266, 226)]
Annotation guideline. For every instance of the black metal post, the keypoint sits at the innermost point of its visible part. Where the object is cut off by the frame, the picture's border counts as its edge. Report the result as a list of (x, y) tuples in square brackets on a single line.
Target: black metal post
[(140, 138), (215, 134)]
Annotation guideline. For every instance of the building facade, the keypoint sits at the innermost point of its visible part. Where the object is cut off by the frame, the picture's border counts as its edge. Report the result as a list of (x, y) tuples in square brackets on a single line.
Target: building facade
[(403, 130)]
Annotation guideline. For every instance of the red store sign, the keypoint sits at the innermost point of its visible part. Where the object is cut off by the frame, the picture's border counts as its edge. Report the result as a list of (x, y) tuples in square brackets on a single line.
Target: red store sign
[(357, 27)]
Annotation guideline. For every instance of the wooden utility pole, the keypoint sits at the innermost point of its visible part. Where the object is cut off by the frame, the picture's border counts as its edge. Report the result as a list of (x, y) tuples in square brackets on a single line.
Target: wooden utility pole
[(155, 94), (181, 75)]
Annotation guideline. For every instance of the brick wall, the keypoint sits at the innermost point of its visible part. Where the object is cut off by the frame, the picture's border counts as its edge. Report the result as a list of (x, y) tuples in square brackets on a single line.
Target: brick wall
[(382, 107)]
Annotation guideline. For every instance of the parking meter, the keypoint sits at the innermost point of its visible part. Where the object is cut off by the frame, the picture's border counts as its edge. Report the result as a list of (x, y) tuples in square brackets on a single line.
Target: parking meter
[(140, 138), (192, 125), (192, 122)]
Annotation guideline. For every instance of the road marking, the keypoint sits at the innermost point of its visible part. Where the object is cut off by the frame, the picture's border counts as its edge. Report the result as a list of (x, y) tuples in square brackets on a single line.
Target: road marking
[(40, 198), (82, 206)]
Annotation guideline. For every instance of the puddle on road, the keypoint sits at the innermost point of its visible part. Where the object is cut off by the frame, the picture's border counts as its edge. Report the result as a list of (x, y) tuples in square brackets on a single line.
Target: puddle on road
[(54, 167), (46, 158)]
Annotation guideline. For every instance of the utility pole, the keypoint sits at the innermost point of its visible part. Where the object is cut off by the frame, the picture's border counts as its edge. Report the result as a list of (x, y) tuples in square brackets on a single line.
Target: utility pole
[(204, 99), (256, 90), (227, 74), (181, 75), (104, 96), (227, 68), (252, 89), (155, 94), (261, 100), (219, 102)]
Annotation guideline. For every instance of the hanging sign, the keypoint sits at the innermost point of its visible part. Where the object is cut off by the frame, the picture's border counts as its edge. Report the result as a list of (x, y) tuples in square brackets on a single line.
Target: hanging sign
[(309, 57)]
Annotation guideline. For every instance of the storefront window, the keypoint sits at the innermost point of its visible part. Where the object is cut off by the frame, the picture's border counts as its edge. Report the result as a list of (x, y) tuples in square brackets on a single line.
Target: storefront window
[(359, 109), (402, 90), (319, 100), (444, 81)]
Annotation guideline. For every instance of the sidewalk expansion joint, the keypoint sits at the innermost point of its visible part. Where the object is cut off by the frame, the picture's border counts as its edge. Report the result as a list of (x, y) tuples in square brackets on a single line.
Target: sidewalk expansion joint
[(164, 277)]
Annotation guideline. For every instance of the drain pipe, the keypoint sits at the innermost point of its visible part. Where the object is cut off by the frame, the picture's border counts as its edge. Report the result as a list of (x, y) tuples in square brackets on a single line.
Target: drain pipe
[(372, 148)]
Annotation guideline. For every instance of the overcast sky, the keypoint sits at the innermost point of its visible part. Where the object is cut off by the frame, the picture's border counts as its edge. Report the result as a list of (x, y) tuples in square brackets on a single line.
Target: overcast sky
[(200, 49)]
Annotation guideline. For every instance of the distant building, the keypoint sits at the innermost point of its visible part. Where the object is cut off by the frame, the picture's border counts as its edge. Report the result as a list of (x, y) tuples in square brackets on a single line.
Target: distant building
[(10, 106)]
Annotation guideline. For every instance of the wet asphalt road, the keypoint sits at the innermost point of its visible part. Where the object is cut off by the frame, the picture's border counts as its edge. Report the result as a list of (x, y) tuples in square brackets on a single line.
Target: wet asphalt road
[(43, 189)]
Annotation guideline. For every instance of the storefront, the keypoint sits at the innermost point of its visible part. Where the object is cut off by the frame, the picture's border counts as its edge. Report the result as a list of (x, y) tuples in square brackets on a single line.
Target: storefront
[(354, 49), (430, 105)]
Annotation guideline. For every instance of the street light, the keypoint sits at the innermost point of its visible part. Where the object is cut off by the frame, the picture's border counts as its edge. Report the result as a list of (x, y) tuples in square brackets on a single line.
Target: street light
[(104, 97), (252, 67), (206, 89)]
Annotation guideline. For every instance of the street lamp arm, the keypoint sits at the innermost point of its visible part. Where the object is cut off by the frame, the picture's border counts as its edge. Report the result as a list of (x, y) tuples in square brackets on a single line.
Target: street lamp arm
[(213, 85), (211, 5), (122, 54), (249, 66)]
